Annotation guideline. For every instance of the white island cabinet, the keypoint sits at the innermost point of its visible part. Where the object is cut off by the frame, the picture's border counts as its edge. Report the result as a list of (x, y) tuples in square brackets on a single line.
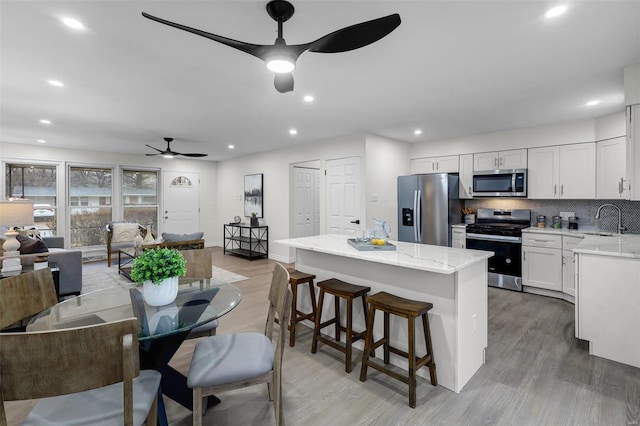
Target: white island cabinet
[(608, 296), (454, 280)]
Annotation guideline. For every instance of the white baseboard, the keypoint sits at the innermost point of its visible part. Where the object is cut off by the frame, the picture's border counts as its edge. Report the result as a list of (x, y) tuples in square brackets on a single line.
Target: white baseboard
[(281, 259)]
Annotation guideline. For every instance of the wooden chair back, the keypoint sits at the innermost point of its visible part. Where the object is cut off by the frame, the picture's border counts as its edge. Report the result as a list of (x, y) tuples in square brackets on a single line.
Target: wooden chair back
[(25, 295), (199, 263), (43, 364), (280, 298)]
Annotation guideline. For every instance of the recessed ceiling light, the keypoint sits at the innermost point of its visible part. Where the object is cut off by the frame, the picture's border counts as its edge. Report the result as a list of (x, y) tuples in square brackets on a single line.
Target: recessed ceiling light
[(55, 83), (41, 141), (73, 23), (231, 146), (293, 132), (593, 102), (417, 132), (308, 98), (556, 11), (45, 121)]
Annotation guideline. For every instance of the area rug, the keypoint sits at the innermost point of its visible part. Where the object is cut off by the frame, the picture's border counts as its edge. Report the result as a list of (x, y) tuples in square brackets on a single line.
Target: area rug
[(96, 275), (228, 276)]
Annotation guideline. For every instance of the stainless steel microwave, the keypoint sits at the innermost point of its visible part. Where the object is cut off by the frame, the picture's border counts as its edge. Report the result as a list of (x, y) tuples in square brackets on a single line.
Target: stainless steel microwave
[(500, 183)]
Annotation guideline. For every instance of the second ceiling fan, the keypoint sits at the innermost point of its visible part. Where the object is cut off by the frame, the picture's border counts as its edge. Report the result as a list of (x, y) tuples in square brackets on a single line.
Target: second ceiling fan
[(281, 57)]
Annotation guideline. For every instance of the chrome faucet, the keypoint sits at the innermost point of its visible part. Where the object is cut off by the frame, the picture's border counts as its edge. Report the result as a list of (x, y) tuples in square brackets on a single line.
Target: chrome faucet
[(621, 228)]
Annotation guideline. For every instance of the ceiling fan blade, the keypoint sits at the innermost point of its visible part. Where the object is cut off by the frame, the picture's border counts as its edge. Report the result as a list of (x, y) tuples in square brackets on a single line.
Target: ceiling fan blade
[(356, 36), (283, 82), (151, 155), (159, 150), (191, 155), (256, 50)]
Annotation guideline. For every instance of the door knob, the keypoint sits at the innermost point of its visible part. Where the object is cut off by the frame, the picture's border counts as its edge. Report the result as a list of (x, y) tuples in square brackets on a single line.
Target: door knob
[(357, 221)]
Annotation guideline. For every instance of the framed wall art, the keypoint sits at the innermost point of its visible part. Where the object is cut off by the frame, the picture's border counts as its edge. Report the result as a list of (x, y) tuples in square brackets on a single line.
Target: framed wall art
[(253, 200)]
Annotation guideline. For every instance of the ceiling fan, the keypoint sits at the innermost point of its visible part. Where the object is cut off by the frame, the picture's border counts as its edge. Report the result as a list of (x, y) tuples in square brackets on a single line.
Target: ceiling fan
[(281, 58), (168, 153)]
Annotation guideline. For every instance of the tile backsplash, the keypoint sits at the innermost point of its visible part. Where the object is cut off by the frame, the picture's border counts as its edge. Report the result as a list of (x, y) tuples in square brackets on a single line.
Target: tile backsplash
[(585, 211)]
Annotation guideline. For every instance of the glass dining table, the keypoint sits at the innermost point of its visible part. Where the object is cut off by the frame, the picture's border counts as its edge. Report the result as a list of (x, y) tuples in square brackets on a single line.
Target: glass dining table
[(161, 329)]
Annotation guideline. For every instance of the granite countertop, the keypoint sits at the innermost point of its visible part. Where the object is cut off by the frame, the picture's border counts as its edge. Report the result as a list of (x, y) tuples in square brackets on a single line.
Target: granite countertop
[(442, 260), (617, 245)]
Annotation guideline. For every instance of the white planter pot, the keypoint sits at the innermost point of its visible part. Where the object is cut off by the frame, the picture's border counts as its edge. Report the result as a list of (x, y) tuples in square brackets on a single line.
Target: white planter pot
[(160, 294)]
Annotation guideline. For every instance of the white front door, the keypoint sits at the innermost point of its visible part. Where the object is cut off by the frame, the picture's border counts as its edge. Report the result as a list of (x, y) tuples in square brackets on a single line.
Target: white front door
[(343, 196), (306, 198), (181, 199)]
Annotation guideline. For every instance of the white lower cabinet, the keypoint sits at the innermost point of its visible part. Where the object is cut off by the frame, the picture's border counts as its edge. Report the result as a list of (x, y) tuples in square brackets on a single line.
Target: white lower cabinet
[(569, 265), (608, 306), (542, 268), (542, 261), (458, 237)]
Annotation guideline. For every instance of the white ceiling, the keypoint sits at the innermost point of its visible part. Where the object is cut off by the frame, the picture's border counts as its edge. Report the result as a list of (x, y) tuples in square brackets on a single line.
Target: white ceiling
[(451, 68)]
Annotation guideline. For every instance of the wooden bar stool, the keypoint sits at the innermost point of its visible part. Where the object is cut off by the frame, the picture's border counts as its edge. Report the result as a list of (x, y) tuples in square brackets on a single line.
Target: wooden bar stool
[(296, 278), (339, 289), (410, 309)]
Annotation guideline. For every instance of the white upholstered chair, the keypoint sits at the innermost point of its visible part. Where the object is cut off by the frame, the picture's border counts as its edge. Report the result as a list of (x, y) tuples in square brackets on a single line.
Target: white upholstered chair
[(232, 361), (85, 376)]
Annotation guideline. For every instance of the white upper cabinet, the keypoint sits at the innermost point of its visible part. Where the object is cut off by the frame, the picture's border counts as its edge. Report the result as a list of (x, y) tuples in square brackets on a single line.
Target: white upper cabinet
[(446, 164), (465, 184), (565, 171), (633, 151), (543, 172), (611, 179), (511, 159)]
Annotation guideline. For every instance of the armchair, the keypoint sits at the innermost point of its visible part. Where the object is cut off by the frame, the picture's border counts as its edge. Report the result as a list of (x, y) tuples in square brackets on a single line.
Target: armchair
[(120, 235)]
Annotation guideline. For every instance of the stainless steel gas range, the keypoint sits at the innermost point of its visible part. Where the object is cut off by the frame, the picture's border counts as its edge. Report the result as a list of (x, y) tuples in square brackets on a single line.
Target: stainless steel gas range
[(500, 231)]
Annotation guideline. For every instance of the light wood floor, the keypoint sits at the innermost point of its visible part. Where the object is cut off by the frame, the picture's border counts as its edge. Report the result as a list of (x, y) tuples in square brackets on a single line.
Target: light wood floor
[(536, 373)]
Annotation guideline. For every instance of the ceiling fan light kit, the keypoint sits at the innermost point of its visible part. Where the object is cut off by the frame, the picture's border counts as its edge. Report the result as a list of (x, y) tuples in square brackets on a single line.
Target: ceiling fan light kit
[(281, 58)]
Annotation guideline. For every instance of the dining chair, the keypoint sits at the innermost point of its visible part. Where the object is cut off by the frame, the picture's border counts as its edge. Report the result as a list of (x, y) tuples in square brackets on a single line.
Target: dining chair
[(85, 376), (199, 265), (231, 361), (25, 295)]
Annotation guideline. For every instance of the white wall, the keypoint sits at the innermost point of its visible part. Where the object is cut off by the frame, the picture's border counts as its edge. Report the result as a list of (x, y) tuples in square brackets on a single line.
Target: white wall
[(385, 160), (275, 166), (558, 134), (62, 156)]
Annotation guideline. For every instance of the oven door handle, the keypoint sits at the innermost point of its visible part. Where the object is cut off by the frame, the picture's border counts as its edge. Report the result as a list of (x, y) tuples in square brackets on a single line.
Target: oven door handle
[(499, 238)]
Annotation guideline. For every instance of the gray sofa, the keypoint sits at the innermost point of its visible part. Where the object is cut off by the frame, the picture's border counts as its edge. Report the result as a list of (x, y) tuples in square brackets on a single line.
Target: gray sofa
[(69, 262)]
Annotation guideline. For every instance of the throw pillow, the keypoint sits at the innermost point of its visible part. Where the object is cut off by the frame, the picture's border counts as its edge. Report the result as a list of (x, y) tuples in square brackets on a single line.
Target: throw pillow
[(172, 238), (124, 232), (31, 245)]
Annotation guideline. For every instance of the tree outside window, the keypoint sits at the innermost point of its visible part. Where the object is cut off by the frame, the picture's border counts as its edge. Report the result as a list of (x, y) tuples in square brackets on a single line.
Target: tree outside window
[(90, 209), (38, 184)]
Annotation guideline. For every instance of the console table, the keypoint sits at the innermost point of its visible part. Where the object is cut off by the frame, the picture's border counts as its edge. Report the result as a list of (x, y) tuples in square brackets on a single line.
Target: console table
[(250, 242)]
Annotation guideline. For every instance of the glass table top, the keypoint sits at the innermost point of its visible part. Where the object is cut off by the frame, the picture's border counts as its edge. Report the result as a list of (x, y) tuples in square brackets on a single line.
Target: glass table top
[(199, 301)]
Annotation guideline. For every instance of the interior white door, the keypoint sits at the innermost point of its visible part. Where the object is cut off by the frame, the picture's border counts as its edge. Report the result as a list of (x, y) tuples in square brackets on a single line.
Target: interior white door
[(181, 200), (343, 196), (306, 201)]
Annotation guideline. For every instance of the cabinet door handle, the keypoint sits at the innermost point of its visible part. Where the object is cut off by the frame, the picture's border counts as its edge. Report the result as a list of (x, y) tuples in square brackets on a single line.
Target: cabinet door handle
[(470, 191), (555, 189), (562, 189), (500, 161), (437, 165), (433, 166), (524, 256)]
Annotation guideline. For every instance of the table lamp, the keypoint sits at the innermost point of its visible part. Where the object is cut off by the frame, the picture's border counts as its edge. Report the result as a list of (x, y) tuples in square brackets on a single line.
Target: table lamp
[(14, 213)]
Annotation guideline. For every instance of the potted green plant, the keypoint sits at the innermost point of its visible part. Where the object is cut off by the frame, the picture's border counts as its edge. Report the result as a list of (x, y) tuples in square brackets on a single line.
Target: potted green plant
[(158, 271), (254, 219)]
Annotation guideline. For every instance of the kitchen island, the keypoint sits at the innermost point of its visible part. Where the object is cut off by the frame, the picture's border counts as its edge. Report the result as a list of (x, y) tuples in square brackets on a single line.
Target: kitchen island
[(454, 280)]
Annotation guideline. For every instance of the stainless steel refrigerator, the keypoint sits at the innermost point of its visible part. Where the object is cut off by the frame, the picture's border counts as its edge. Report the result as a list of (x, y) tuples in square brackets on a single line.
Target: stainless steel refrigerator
[(427, 207)]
